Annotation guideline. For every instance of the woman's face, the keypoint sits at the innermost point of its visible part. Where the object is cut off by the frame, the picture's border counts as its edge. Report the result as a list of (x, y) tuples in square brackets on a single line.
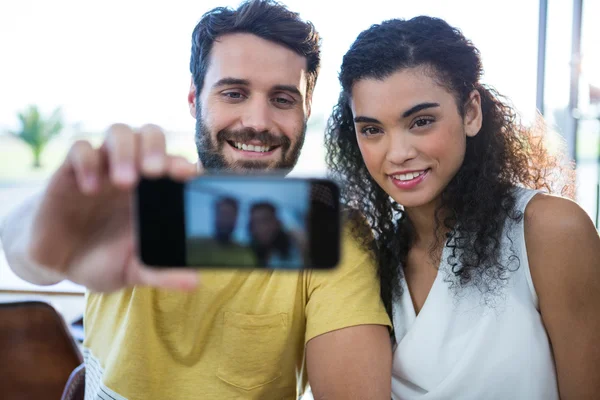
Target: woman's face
[(411, 135), (264, 226)]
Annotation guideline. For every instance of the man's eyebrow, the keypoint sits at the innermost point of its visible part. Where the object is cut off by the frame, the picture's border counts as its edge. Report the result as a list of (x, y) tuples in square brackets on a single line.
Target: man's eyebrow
[(244, 82), (231, 81), (288, 88)]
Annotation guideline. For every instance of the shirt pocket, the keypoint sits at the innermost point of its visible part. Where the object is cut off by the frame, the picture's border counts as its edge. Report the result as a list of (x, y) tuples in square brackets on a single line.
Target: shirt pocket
[(251, 349)]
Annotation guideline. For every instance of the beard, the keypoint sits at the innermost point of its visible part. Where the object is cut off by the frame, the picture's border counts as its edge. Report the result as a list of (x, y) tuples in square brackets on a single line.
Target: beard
[(210, 152)]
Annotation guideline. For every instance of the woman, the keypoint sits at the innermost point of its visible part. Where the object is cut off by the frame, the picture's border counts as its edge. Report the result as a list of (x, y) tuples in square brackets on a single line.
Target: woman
[(273, 246), (493, 282)]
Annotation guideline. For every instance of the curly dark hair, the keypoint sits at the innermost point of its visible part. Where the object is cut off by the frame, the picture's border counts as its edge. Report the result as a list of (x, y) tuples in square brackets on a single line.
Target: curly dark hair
[(282, 243), (480, 198)]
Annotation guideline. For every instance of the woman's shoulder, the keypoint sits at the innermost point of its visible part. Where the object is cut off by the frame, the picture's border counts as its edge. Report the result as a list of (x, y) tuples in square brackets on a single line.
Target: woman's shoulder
[(549, 215), (561, 239)]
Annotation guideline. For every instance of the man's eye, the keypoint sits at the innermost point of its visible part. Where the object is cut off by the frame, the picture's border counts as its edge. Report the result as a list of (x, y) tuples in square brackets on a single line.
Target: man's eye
[(233, 95), (283, 101)]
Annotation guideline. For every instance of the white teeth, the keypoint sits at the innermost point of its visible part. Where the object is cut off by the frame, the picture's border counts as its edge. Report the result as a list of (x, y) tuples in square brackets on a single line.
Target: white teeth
[(408, 176), (251, 147)]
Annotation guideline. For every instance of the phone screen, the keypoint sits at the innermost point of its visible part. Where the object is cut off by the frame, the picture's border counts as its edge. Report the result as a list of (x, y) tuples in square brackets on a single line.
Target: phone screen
[(239, 222)]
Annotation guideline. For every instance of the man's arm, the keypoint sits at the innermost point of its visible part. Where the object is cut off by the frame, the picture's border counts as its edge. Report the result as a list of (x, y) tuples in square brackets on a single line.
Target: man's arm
[(15, 234), (81, 227), (351, 363), (348, 345)]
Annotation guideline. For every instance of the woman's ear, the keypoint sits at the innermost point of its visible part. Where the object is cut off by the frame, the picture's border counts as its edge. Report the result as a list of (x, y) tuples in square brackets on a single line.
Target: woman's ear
[(473, 115)]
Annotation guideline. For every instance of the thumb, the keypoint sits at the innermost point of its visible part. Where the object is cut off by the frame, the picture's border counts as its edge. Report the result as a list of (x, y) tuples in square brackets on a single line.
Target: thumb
[(177, 278), (199, 167)]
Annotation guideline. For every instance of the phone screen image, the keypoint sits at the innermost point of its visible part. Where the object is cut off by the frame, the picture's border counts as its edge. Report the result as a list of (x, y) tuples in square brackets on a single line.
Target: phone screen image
[(238, 222), (247, 223)]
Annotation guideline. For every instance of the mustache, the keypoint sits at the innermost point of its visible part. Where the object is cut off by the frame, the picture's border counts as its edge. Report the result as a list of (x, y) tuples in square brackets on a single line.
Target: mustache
[(245, 135)]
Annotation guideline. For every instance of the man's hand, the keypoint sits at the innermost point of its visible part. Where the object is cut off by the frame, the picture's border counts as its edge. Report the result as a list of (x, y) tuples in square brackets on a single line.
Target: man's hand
[(81, 228)]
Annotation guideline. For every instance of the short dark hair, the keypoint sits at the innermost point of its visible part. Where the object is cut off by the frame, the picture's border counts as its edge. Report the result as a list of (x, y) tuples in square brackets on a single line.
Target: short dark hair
[(266, 19)]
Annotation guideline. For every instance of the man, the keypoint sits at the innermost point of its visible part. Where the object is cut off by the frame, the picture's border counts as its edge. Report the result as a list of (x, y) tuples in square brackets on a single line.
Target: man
[(226, 215), (220, 249), (244, 334)]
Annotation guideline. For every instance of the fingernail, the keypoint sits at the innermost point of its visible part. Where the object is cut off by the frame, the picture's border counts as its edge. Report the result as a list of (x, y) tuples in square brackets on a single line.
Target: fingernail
[(126, 173), (153, 162)]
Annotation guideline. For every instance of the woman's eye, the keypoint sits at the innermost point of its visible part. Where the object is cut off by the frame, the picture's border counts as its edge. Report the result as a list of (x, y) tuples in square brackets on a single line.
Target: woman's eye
[(370, 130), (423, 122)]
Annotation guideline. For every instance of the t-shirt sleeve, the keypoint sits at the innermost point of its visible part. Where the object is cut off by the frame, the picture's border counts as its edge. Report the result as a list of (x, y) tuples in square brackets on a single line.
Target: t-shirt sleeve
[(345, 296)]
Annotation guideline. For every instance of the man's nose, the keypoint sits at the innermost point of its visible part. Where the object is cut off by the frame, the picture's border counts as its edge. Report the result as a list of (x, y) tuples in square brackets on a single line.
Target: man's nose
[(258, 115)]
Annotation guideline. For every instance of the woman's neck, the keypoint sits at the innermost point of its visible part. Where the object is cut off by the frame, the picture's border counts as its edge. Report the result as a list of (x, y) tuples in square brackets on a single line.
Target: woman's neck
[(423, 221)]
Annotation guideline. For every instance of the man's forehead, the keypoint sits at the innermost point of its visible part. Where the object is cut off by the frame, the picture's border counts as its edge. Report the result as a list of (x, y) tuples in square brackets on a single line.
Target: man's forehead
[(262, 63)]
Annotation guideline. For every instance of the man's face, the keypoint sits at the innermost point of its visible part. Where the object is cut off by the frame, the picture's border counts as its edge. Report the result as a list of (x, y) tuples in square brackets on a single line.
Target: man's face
[(226, 218), (251, 112)]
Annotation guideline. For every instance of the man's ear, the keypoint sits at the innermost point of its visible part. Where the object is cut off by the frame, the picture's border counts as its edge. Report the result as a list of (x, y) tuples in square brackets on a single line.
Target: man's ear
[(308, 106), (473, 114), (192, 98)]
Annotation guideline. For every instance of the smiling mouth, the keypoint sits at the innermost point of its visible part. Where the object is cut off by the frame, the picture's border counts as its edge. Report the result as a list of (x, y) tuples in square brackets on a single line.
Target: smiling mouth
[(409, 176), (252, 147)]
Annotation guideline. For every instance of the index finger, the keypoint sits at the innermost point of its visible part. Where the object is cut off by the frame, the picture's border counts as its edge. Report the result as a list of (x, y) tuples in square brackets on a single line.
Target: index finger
[(121, 150)]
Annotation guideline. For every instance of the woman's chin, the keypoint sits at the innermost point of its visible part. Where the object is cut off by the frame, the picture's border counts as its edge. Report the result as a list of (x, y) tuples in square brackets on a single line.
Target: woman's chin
[(413, 200)]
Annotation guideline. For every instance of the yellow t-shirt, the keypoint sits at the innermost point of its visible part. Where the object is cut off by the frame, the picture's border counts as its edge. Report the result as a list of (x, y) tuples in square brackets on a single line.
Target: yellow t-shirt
[(240, 335)]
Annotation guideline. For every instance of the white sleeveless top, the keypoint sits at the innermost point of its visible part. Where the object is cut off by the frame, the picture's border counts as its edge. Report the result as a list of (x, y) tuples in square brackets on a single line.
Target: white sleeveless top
[(460, 348)]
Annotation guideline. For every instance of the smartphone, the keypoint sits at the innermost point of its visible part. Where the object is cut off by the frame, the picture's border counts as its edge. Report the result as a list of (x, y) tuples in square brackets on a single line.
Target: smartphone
[(238, 221)]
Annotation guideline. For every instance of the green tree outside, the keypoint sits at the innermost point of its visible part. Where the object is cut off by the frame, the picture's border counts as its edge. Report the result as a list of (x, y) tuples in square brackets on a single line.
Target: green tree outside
[(37, 131)]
